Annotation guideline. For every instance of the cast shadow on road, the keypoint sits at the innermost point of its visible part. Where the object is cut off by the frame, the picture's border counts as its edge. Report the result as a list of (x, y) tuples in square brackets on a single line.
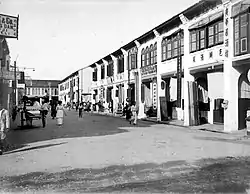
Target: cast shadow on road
[(234, 141), (89, 126), (221, 175), (34, 148)]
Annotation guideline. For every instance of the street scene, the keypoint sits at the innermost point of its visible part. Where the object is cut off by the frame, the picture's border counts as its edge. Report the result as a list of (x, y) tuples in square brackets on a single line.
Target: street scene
[(109, 96), (119, 157)]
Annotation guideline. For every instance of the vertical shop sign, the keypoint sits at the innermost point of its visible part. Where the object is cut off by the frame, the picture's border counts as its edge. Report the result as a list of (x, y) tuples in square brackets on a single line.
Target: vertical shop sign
[(154, 94), (226, 20), (179, 71)]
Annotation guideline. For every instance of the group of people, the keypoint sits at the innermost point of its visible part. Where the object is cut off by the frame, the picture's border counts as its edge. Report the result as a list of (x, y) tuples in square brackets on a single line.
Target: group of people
[(130, 111), (56, 109)]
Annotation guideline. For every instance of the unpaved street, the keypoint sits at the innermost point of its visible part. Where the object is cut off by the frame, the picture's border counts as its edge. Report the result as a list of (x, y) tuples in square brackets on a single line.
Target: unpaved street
[(105, 154)]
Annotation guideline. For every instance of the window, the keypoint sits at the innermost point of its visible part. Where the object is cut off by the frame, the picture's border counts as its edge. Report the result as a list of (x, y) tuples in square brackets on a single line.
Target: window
[(28, 91), (110, 68), (147, 62), (155, 53), (94, 77), (182, 45), (102, 72), (175, 47), (132, 59), (215, 34), (169, 49), (151, 50), (120, 68), (164, 50), (143, 59), (241, 34), (56, 91)]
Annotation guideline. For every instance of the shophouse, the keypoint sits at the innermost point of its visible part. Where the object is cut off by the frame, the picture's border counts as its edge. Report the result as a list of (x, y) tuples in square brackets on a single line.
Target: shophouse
[(193, 68), (76, 87)]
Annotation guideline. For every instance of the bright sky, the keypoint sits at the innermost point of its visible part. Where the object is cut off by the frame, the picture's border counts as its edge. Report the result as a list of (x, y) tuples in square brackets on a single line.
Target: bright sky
[(58, 37)]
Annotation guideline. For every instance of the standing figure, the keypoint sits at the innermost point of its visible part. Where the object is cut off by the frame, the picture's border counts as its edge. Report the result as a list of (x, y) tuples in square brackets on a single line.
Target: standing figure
[(44, 111), (53, 109), (4, 127), (60, 113), (128, 112), (134, 114), (80, 110)]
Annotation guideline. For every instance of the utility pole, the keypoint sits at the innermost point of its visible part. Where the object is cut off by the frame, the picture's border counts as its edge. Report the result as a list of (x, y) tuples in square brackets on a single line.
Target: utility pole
[(78, 85), (15, 84)]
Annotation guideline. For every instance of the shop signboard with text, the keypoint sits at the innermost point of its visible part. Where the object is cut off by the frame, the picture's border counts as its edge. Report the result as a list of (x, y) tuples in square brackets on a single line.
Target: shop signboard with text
[(8, 26)]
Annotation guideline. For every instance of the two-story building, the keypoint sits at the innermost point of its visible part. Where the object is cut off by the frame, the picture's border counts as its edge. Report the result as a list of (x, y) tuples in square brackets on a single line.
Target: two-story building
[(41, 88), (192, 68), (76, 87)]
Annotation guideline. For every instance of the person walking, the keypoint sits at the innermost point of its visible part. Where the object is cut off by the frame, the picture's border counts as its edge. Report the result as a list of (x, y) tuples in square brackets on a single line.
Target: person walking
[(60, 112), (134, 114), (128, 112), (44, 111), (80, 110), (53, 109), (4, 127)]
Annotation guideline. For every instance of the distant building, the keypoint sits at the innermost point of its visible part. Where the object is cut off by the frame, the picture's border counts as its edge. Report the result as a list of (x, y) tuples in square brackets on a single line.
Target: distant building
[(76, 86), (41, 88)]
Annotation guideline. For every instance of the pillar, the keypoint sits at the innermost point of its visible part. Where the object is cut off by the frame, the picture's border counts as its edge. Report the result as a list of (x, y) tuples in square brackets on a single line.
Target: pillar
[(231, 75), (186, 61), (158, 76)]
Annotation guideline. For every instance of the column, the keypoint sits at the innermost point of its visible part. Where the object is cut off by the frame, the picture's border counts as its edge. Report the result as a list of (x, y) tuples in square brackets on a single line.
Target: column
[(231, 75), (158, 75), (125, 82), (186, 61)]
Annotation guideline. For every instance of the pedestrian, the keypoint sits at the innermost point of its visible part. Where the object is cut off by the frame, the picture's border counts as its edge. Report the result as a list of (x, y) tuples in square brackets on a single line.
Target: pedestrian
[(44, 111), (80, 110), (128, 112), (53, 109), (4, 127), (60, 112), (134, 114)]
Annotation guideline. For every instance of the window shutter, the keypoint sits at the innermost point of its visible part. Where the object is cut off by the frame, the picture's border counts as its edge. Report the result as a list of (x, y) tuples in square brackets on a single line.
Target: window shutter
[(135, 60)]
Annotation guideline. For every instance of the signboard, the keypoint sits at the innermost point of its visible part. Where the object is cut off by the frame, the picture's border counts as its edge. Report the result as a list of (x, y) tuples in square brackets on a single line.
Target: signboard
[(179, 72), (8, 26), (149, 69), (154, 94), (9, 75)]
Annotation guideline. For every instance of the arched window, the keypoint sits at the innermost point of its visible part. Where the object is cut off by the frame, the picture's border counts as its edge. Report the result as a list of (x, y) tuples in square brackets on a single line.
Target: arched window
[(169, 49), (147, 53), (164, 50), (151, 51), (143, 58), (155, 53)]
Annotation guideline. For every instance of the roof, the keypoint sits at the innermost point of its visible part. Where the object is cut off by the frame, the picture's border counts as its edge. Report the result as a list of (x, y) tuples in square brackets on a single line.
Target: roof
[(42, 83)]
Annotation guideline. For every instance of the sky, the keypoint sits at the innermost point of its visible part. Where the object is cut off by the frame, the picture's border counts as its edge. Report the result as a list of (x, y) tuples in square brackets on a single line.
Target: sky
[(58, 37)]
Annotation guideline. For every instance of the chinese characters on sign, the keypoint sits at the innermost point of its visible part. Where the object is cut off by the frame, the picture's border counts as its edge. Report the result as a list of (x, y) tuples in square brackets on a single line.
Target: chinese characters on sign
[(226, 43), (150, 69), (8, 26), (154, 94)]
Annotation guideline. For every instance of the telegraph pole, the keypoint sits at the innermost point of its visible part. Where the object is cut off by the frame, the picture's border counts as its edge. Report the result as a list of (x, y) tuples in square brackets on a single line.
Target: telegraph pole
[(15, 84), (78, 85)]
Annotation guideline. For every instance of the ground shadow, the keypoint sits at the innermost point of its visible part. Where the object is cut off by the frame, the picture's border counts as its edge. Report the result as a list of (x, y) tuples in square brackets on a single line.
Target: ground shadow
[(235, 141), (222, 175), (88, 126), (33, 148)]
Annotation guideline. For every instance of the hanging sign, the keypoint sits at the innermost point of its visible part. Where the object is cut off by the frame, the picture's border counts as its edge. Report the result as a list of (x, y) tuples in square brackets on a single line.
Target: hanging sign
[(8, 26), (154, 94)]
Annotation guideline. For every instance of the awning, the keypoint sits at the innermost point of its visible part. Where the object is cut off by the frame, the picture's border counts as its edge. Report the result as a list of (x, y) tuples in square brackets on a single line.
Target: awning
[(240, 7), (206, 20)]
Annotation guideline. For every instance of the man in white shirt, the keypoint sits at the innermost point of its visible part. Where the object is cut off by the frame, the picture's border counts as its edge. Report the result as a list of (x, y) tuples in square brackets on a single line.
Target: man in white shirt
[(4, 126)]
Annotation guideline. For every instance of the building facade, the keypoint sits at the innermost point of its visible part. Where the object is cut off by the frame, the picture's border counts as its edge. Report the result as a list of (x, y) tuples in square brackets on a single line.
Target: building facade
[(41, 88), (76, 87), (193, 68)]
